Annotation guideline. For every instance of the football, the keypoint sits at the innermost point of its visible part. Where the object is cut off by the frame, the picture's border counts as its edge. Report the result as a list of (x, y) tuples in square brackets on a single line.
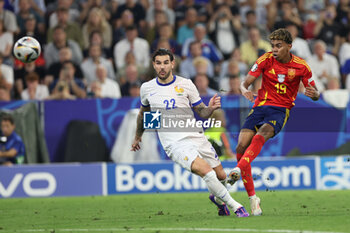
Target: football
[(27, 49)]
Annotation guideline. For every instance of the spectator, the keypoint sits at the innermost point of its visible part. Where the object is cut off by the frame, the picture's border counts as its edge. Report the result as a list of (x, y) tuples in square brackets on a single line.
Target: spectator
[(34, 90), (209, 49), (344, 58), (59, 40), (126, 20), (96, 38), (37, 5), (165, 32), (97, 22), (182, 10), (4, 93), (186, 30), (159, 19), (300, 46), (252, 49), (232, 71), (103, 87), (234, 85), (20, 74), (251, 21), (9, 19), (202, 83), (129, 60), (132, 76), (6, 44), (6, 75), (72, 29), (12, 147), (224, 28), (235, 56), (132, 42), (90, 64), (328, 30), (134, 89), (324, 66), (73, 12), (65, 54), (187, 69), (88, 5), (25, 9), (159, 6), (67, 86), (137, 10), (31, 29), (288, 14)]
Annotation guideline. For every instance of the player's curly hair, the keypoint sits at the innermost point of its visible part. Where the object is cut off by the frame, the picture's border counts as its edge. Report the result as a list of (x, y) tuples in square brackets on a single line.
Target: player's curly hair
[(281, 34)]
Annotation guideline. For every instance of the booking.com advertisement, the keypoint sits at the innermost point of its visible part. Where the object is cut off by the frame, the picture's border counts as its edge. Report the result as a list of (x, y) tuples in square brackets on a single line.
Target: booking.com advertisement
[(170, 177), (273, 174)]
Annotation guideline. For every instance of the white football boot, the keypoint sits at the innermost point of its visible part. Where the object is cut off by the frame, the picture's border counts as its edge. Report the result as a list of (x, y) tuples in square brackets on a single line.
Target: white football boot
[(255, 206)]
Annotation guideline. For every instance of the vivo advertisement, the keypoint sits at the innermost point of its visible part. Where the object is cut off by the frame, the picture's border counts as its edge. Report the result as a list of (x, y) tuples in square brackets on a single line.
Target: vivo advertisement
[(51, 180), (322, 173)]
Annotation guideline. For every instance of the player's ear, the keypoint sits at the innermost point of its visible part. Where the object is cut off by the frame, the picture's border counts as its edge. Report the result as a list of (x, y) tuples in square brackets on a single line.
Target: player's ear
[(173, 64)]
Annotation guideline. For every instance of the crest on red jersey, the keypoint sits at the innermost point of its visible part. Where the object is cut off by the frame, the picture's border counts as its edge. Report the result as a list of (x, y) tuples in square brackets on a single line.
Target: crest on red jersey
[(291, 74), (281, 78)]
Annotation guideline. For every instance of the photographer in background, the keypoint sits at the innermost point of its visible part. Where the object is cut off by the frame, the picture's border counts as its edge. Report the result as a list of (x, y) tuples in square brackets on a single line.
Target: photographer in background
[(12, 149)]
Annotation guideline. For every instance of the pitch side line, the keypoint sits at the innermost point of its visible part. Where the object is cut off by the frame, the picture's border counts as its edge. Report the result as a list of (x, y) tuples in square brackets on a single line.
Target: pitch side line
[(178, 229)]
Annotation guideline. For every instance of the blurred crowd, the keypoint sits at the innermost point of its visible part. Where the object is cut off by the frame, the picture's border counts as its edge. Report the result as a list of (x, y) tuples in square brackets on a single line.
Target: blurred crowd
[(102, 48)]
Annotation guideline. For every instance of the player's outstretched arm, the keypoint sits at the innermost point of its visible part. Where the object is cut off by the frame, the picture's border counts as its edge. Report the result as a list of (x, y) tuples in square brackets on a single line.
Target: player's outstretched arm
[(205, 111), (312, 92), (139, 129), (245, 85)]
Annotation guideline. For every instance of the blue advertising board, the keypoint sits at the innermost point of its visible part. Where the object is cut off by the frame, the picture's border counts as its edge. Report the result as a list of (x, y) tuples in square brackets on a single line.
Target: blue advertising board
[(51, 180), (169, 177), (334, 173)]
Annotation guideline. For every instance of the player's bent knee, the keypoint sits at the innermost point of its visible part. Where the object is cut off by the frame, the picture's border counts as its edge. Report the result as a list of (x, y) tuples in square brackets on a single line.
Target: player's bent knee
[(240, 148), (200, 167)]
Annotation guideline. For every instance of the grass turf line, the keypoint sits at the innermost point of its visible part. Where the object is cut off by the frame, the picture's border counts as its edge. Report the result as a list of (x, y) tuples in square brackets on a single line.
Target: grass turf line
[(288, 210)]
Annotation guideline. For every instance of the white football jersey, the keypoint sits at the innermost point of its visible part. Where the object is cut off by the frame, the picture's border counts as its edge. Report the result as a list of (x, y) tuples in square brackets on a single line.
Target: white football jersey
[(175, 101)]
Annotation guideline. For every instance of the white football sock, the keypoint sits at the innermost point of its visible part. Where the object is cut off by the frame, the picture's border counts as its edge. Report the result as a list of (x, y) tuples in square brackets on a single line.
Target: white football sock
[(219, 190), (251, 197), (218, 200)]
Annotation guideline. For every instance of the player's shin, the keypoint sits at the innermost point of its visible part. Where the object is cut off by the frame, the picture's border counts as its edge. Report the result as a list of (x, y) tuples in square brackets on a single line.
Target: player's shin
[(251, 152), (219, 190), (248, 180)]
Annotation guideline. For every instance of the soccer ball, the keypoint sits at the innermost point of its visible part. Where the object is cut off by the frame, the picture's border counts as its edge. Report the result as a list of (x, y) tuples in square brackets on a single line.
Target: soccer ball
[(27, 49)]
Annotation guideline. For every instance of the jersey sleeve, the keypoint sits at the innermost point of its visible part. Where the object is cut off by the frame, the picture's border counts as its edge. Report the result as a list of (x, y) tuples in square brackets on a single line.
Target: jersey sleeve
[(143, 96), (259, 65), (193, 94), (307, 77)]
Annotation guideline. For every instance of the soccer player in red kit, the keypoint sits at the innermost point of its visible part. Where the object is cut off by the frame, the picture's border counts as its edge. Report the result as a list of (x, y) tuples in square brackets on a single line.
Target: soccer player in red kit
[(282, 73)]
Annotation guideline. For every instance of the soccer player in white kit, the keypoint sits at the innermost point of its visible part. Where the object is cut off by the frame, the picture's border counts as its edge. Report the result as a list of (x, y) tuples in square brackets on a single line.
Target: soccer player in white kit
[(190, 149)]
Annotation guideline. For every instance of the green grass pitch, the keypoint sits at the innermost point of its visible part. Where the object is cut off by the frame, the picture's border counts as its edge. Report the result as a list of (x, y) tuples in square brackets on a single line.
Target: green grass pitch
[(283, 211)]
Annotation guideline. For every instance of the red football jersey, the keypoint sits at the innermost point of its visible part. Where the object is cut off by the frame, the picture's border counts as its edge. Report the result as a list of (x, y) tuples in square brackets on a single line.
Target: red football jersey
[(280, 81)]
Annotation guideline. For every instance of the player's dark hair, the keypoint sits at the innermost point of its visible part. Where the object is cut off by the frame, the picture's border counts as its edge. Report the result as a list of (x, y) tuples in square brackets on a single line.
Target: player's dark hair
[(8, 117), (163, 52), (281, 34)]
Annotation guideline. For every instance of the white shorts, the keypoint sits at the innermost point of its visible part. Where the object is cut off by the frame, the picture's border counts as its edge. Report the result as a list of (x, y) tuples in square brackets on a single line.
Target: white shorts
[(185, 151)]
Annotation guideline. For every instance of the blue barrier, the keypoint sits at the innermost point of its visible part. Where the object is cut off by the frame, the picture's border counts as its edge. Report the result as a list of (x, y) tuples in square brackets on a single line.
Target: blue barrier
[(310, 123), (321, 173)]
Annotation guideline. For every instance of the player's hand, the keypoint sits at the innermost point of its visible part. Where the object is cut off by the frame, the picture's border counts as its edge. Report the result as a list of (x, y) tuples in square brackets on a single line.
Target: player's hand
[(312, 92), (249, 95), (136, 145), (215, 102)]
